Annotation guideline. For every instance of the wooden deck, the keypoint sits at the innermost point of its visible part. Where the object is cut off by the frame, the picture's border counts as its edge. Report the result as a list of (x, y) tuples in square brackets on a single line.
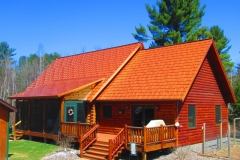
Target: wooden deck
[(146, 139)]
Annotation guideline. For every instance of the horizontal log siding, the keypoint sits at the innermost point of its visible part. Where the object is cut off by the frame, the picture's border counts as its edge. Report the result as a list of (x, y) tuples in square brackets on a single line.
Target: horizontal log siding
[(3, 131), (167, 112), (117, 120), (205, 94)]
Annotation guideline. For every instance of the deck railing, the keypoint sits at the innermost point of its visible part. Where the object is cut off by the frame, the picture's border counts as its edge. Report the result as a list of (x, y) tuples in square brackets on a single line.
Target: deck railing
[(116, 143), (151, 138), (87, 139), (133, 134), (75, 128)]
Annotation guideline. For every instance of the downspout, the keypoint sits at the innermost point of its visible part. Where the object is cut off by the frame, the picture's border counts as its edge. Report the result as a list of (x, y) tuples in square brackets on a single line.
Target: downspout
[(8, 124)]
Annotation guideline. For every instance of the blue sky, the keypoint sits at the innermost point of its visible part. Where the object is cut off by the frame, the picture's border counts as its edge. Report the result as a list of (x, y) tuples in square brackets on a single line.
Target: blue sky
[(73, 26)]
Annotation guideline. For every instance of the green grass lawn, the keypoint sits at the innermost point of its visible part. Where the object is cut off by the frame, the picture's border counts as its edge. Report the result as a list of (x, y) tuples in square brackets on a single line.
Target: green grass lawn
[(24, 149)]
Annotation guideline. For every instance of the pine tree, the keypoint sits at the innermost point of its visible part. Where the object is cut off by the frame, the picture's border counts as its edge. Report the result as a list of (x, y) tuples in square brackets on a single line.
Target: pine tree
[(172, 21), (222, 44)]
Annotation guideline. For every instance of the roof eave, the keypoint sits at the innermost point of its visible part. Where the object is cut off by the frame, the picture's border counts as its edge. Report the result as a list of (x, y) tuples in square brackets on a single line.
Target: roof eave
[(145, 100), (33, 97), (8, 106)]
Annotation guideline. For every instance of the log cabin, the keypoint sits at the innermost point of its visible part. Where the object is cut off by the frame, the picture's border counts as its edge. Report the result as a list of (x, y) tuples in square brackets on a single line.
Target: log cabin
[(107, 97), (5, 109)]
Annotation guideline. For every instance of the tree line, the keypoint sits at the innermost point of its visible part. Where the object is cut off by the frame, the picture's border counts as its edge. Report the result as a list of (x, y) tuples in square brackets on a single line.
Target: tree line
[(16, 76), (171, 22)]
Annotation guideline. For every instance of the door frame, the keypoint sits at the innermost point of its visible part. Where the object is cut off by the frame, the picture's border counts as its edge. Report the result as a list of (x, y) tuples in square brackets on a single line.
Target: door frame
[(143, 118), (73, 104)]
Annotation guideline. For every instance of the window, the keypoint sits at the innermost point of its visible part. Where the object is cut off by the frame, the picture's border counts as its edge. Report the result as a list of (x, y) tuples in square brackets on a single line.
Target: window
[(107, 111), (191, 116), (218, 114)]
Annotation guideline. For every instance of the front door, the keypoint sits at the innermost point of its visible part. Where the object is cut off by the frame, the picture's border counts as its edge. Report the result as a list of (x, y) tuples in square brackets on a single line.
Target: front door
[(142, 115), (74, 111)]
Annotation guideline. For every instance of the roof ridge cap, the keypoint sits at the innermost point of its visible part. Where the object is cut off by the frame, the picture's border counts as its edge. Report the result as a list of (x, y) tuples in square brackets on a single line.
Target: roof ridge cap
[(195, 41), (101, 50)]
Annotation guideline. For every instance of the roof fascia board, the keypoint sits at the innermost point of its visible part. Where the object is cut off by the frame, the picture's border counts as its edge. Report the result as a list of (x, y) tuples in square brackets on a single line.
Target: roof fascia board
[(37, 97), (141, 100), (8, 106), (117, 71), (80, 88)]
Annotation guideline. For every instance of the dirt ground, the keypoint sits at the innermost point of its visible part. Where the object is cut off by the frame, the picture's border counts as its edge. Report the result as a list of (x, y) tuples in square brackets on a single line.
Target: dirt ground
[(234, 154)]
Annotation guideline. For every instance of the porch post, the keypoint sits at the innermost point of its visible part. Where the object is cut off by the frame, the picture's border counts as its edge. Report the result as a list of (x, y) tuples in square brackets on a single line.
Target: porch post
[(144, 156), (81, 147)]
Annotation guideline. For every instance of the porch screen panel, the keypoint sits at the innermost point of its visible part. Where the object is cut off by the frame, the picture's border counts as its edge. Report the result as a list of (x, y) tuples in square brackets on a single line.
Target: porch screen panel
[(52, 120), (36, 115), (22, 115), (56, 115), (81, 113)]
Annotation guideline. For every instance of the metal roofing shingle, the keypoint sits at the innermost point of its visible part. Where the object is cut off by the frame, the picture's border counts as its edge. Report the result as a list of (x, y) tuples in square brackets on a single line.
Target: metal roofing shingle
[(164, 73), (71, 72)]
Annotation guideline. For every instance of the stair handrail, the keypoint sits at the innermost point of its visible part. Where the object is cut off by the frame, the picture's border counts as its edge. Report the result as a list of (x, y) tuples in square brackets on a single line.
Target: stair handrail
[(119, 141), (14, 129), (87, 137)]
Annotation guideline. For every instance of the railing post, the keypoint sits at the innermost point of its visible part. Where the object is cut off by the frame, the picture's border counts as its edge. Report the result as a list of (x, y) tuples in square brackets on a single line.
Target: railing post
[(234, 130), (204, 140), (14, 132), (61, 127), (176, 136), (221, 134), (78, 131), (162, 135), (110, 150), (144, 138), (126, 138)]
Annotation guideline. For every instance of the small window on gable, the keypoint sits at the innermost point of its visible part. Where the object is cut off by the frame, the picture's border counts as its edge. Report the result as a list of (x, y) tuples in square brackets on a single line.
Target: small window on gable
[(107, 111), (191, 116), (218, 114)]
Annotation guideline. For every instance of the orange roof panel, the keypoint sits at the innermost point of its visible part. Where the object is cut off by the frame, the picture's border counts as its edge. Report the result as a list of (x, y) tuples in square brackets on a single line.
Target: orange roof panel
[(71, 72), (164, 73)]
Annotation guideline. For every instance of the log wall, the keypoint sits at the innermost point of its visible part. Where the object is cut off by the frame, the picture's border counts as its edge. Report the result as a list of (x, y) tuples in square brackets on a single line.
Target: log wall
[(79, 95), (205, 94), (166, 111), (3, 131)]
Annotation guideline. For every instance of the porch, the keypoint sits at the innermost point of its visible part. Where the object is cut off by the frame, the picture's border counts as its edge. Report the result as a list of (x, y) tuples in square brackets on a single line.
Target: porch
[(94, 144)]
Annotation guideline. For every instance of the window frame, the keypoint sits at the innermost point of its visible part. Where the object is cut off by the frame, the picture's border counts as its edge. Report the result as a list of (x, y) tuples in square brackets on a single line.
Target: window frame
[(216, 115), (194, 116), (107, 108)]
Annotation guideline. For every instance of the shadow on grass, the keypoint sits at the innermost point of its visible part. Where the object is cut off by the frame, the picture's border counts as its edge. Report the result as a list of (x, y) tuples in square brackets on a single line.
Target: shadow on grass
[(150, 155)]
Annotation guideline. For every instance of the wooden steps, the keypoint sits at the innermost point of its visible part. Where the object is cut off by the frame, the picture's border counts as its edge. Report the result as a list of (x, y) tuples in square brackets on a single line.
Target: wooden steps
[(98, 151), (108, 130), (18, 135)]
